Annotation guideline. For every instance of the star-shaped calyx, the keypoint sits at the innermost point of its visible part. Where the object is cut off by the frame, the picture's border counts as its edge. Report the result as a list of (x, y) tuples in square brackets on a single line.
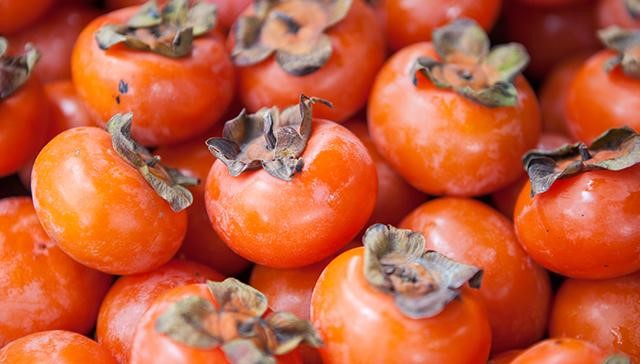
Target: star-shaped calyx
[(168, 32), (470, 68), (626, 43), (269, 139), (15, 70), (292, 29)]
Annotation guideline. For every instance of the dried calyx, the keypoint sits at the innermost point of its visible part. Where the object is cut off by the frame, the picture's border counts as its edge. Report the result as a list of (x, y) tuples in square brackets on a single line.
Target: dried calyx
[(168, 32), (614, 150), (421, 282), (15, 70), (633, 8), (167, 182), (292, 29), (269, 139), (626, 42), (235, 324), (617, 359), (470, 68)]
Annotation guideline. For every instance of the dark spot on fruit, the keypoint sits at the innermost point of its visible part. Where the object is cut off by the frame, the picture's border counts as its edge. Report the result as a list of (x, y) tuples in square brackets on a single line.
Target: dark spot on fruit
[(118, 99), (123, 87)]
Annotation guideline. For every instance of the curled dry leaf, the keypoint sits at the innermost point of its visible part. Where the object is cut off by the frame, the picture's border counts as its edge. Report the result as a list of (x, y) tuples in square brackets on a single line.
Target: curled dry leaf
[(15, 70), (269, 139), (169, 183), (614, 150), (626, 43), (292, 29), (470, 68), (168, 32), (421, 282)]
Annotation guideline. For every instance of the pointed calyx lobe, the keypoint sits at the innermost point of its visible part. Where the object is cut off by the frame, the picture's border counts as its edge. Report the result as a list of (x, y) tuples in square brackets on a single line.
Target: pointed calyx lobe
[(166, 181), (15, 70), (235, 324), (269, 139), (633, 8), (470, 68), (626, 43), (292, 29), (168, 32), (614, 150), (421, 282)]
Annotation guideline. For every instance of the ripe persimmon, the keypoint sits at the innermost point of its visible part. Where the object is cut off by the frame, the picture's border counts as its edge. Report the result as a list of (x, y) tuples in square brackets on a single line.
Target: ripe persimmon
[(623, 13), (16, 15), (562, 351)]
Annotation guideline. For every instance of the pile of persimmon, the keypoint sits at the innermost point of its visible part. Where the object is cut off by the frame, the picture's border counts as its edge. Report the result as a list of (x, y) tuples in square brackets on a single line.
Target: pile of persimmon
[(320, 181)]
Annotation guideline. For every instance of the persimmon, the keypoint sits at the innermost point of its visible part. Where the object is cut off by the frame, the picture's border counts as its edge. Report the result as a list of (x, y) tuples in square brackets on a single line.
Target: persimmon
[(226, 322), (392, 302), (505, 357), (16, 15), (107, 202), (23, 108), (516, 291), (55, 346), (552, 3), (580, 214), (396, 197), (54, 36), (408, 22), (314, 189), (447, 120), (42, 288), (562, 351), (201, 243), (616, 82), (132, 295), (604, 312), (314, 44), (119, 68), (624, 13)]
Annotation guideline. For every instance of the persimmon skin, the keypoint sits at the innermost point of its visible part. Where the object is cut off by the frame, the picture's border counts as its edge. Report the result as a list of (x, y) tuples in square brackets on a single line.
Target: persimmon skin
[(516, 291), (152, 347), (99, 209), (172, 99), (55, 346), (585, 226), (360, 324), (289, 224), (562, 351), (615, 104), (132, 295), (16, 15), (42, 288), (201, 243), (408, 22), (604, 312), (613, 12), (505, 357), (24, 122), (396, 198), (54, 36), (341, 80), (442, 142)]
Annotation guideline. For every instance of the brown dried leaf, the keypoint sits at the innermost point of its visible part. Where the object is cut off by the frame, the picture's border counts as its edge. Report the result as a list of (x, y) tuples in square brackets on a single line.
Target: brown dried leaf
[(244, 351), (626, 42), (15, 70), (235, 296), (290, 331), (182, 322)]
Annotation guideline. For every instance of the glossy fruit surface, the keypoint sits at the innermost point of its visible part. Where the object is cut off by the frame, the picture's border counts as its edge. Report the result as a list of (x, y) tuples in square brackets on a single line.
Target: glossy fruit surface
[(16, 15), (562, 351)]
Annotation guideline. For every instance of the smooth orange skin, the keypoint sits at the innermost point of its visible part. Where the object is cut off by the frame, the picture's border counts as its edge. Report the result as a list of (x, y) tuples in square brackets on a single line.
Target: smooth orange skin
[(41, 287), (341, 80), (585, 226), (172, 99), (201, 243), (396, 198), (505, 357), (412, 21), (132, 295), (600, 100), (54, 36), (289, 224), (56, 346), (99, 209), (604, 312), (613, 12), (360, 324), (24, 122), (561, 351), (442, 142), (16, 15), (152, 347), (505, 199), (550, 34), (516, 291)]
